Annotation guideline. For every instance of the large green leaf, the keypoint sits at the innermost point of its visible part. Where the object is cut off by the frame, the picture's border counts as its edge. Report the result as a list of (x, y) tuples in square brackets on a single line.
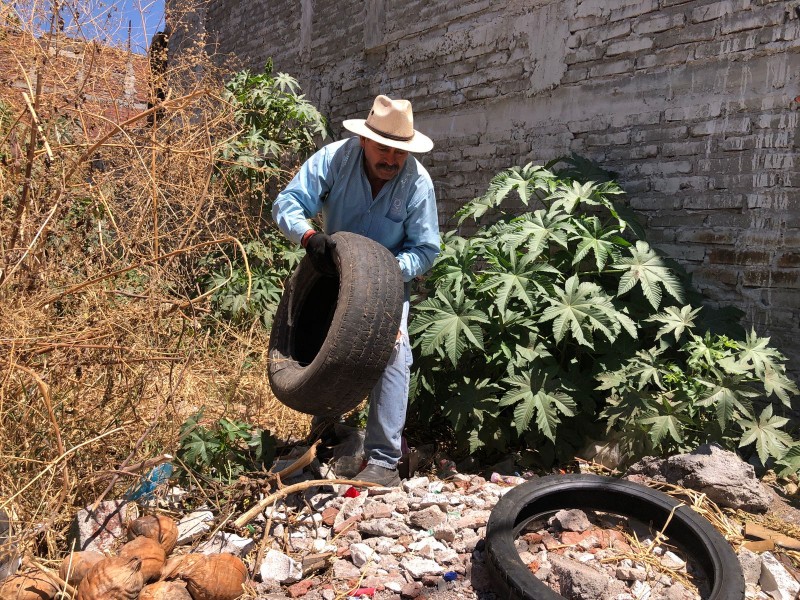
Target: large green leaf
[(770, 441), (645, 267), (511, 275), (675, 320), (581, 308), (449, 325), (604, 243), (536, 394), (729, 396), (537, 230)]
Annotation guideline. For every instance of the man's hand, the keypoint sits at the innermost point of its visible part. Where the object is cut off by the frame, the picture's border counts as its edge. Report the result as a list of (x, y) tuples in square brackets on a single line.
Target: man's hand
[(319, 248)]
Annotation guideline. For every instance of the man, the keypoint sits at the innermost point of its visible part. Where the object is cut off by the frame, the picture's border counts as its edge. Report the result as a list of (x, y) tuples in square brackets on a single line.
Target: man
[(372, 186)]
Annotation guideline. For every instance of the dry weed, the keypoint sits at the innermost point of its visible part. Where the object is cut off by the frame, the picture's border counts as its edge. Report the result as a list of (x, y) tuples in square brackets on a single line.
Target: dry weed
[(106, 207)]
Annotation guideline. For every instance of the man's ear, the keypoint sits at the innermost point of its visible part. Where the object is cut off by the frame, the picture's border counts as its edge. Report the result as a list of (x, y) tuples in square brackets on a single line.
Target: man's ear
[(363, 141)]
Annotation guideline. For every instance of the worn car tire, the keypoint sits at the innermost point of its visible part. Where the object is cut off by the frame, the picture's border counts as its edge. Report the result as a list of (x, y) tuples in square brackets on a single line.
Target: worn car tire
[(332, 337), (539, 497)]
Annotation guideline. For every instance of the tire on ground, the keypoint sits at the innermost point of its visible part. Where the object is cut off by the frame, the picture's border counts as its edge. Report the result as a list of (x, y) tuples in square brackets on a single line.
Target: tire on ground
[(332, 337), (539, 497)]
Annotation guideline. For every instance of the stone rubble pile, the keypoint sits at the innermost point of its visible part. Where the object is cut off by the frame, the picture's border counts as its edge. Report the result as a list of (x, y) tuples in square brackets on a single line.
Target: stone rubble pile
[(426, 540)]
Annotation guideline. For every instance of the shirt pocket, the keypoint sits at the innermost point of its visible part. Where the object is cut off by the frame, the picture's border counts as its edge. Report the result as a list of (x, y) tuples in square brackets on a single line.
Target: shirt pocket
[(397, 210)]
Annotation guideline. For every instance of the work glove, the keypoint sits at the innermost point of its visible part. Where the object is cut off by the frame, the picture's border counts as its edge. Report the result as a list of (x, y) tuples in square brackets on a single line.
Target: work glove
[(319, 248)]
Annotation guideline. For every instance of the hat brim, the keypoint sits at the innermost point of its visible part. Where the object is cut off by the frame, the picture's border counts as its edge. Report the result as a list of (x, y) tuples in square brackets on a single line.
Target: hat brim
[(419, 143)]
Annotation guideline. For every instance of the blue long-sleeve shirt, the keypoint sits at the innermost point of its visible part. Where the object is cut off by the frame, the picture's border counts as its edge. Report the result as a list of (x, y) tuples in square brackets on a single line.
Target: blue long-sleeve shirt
[(402, 217)]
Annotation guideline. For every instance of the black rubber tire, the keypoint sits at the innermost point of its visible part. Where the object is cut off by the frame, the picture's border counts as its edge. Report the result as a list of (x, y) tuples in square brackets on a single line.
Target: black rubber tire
[(539, 497), (332, 337)]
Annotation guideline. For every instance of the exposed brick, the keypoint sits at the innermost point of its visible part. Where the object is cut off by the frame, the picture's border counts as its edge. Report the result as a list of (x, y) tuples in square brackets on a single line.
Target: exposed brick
[(788, 259), (716, 274), (707, 236), (709, 12), (729, 256), (714, 201), (654, 24), (629, 46), (752, 20), (684, 252), (613, 68), (771, 278)]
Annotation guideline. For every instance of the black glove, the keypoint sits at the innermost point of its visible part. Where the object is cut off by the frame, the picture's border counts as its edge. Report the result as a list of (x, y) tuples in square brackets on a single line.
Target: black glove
[(319, 248)]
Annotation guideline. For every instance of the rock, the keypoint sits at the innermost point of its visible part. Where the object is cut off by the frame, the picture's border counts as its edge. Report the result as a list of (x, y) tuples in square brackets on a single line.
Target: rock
[(411, 590), (572, 520), (102, 529), (419, 567), (720, 474), (577, 581), (227, 542), (329, 516), (415, 483), (427, 518), (280, 567), (377, 510), (361, 554), (384, 527), (473, 520), (776, 580), (751, 565), (194, 525), (444, 532), (300, 588), (344, 569)]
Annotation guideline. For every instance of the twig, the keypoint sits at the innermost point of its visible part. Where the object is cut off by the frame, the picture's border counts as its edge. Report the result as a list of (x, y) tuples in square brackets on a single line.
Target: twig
[(36, 122), (303, 461), (291, 489), (28, 562), (44, 390), (52, 463), (80, 286)]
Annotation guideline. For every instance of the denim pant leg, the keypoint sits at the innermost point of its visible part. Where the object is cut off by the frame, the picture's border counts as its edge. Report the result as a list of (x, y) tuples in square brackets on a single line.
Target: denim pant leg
[(388, 402)]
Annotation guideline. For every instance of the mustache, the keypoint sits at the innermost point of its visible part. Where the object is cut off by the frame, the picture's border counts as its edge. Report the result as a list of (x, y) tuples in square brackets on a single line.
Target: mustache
[(388, 167)]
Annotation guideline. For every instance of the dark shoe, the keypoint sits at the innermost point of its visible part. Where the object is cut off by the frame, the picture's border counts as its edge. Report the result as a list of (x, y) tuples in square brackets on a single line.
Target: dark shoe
[(380, 475)]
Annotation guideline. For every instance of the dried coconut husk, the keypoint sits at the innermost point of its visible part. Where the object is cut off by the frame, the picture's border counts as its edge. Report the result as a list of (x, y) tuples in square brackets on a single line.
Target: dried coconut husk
[(28, 586), (156, 527), (75, 566), (214, 576), (165, 590), (113, 578), (149, 552), (178, 563)]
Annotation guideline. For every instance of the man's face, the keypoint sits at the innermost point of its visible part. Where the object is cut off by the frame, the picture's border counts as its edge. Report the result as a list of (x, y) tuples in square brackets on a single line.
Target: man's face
[(382, 162)]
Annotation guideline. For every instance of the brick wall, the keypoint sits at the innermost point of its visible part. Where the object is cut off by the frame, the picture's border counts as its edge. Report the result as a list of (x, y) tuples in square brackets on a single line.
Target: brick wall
[(690, 101)]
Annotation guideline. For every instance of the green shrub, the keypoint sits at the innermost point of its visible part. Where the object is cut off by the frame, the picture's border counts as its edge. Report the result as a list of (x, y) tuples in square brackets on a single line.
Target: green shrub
[(224, 450), (560, 323), (276, 128)]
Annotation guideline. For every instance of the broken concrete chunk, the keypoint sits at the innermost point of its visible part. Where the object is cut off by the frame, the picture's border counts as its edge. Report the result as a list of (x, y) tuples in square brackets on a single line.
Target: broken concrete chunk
[(280, 567), (194, 525), (228, 543), (101, 529), (776, 580)]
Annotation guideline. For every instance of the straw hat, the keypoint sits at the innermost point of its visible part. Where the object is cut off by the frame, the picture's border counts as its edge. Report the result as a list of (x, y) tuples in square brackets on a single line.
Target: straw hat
[(391, 123)]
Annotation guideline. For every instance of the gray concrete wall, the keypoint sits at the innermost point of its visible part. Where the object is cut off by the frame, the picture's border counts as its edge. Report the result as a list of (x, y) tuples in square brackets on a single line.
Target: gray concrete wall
[(690, 101)]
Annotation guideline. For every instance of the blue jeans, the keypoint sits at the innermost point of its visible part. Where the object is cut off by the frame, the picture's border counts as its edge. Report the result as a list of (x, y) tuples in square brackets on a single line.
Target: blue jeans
[(388, 402)]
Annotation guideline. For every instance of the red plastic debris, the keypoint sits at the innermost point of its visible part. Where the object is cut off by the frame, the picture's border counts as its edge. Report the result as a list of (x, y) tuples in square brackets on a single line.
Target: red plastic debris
[(352, 493), (363, 592)]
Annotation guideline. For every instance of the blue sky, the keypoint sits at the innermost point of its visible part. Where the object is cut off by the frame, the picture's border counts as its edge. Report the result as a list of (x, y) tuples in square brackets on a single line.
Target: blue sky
[(107, 20), (146, 17)]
